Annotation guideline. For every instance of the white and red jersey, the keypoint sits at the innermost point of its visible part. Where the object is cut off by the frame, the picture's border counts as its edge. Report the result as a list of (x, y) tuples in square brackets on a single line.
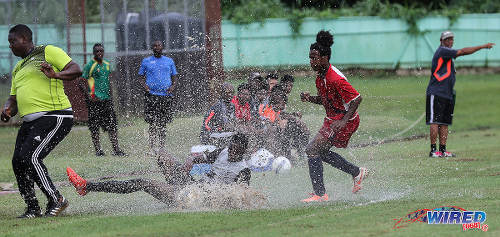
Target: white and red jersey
[(336, 93)]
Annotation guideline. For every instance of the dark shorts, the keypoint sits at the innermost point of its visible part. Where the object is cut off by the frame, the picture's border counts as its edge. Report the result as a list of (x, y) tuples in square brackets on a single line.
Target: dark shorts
[(158, 109), (439, 110), (102, 115)]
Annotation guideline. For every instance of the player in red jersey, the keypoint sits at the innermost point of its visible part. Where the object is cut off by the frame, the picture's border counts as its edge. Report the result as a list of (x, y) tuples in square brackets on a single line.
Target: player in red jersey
[(341, 101)]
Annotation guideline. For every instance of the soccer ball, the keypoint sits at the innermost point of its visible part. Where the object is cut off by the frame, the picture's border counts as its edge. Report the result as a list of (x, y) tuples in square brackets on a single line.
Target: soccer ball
[(281, 165), (197, 149), (261, 160)]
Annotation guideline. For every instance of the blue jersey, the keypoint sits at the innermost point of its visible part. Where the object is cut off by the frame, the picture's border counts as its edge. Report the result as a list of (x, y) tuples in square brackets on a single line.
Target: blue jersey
[(442, 73), (158, 72)]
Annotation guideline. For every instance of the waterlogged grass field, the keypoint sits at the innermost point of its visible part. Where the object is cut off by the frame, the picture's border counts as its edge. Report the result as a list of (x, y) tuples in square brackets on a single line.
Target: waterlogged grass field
[(404, 179)]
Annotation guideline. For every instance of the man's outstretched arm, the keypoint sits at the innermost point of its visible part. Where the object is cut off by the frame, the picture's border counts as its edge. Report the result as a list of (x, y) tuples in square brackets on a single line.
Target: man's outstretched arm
[(471, 50)]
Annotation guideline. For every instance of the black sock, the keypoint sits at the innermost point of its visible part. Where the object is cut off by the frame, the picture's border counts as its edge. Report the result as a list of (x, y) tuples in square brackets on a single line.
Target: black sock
[(433, 147), (316, 174), (340, 163), (442, 148), (126, 186)]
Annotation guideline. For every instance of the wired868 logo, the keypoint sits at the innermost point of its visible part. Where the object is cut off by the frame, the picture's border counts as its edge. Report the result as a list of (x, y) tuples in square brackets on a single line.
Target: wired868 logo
[(445, 215)]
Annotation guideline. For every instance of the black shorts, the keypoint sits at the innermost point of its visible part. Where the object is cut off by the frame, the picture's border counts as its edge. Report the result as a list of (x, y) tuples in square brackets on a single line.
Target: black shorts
[(102, 115), (158, 109), (439, 110)]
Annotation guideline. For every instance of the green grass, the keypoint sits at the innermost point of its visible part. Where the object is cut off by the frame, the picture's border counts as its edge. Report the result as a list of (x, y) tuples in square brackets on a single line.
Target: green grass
[(404, 178)]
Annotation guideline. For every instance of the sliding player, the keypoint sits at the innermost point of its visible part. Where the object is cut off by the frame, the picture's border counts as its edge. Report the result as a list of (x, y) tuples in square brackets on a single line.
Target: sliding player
[(228, 166)]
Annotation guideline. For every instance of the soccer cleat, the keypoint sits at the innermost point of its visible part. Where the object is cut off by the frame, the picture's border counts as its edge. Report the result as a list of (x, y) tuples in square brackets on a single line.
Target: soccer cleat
[(77, 181), (31, 213), (316, 198), (100, 153), (435, 154), (54, 209), (448, 154), (363, 173), (119, 153)]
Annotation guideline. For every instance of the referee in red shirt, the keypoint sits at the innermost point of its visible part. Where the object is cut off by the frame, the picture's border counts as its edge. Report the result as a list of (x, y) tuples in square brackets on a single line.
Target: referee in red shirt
[(341, 101)]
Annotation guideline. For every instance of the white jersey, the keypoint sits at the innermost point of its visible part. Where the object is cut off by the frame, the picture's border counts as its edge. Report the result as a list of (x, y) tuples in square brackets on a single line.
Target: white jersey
[(225, 171)]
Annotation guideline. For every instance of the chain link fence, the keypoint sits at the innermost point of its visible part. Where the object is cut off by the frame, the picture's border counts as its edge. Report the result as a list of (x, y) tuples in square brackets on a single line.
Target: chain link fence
[(126, 28)]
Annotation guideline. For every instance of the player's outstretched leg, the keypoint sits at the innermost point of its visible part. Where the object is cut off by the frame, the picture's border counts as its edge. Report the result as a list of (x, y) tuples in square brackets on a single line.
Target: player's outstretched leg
[(78, 182), (159, 190)]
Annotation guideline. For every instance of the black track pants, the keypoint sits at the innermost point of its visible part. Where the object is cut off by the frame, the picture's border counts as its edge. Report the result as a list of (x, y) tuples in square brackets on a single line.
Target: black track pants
[(34, 142)]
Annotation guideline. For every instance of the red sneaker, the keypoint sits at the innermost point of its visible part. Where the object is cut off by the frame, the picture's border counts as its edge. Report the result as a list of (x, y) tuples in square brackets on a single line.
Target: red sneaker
[(435, 154), (316, 198), (77, 181), (363, 172)]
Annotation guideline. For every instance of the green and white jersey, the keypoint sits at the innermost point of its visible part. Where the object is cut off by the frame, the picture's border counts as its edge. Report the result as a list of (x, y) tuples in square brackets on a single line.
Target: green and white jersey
[(98, 78), (34, 91)]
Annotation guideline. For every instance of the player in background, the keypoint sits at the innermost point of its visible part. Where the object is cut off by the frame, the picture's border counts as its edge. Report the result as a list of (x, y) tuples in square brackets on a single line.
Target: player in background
[(287, 82), (272, 80), (255, 83), (242, 106), (297, 135), (159, 83), (37, 93), (228, 166), (261, 101), (285, 130), (219, 121), (100, 103), (341, 102), (440, 100)]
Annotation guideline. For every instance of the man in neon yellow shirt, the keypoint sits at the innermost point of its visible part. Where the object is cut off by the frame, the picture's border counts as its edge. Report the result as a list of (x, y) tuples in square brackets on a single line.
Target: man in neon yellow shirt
[(100, 105), (37, 94)]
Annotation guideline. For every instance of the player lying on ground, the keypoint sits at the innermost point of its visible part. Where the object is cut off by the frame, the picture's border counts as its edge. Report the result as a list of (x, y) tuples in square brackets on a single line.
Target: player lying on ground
[(228, 166)]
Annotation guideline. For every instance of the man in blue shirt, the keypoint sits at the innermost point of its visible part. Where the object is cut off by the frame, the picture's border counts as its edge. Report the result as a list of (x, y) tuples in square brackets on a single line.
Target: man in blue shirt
[(159, 83), (440, 95)]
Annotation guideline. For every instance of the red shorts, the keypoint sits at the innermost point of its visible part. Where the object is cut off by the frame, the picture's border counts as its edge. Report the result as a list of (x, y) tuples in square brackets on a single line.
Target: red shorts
[(341, 137)]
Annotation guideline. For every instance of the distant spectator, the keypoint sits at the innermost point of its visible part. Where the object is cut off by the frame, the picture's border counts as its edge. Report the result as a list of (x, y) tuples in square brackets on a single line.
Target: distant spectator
[(220, 118), (241, 103), (258, 106), (253, 81), (159, 82), (272, 80), (289, 131), (100, 103), (287, 82), (261, 100)]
